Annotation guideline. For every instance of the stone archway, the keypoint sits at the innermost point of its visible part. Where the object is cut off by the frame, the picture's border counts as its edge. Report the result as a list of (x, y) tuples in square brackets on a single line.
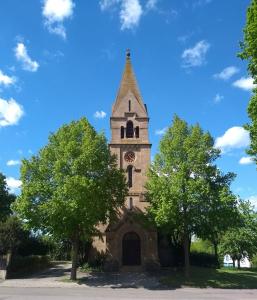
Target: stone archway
[(131, 249)]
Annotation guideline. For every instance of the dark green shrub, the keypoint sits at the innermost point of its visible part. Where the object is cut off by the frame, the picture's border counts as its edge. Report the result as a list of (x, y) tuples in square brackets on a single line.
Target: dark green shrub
[(202, 259), (254, 261), (25, 265)]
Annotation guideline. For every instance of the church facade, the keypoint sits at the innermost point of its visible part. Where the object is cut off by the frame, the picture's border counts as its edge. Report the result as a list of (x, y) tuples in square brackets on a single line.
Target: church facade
[(129, 241)]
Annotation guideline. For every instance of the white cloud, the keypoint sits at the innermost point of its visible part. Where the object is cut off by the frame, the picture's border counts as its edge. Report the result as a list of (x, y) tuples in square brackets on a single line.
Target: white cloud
[(246, 160), (107, 4), (161, 131), (218, 98), (195, 56), (55, 12), (234, 137), (6, 80), (227, 73), (13, 184), (151, 4), (12, 163), (130, 11), (130, 14), (22, 55), (10, 112), (245, 83), (100, 114)]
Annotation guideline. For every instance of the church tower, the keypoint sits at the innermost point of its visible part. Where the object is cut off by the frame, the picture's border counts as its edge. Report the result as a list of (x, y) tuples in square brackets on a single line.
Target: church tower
[(129, 242), (130, 141)]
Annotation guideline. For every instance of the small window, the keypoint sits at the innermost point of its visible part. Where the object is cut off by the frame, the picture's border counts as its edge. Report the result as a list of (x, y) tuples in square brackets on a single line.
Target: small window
[(130, 170), (137, 132), (130, 203), (129, 105), (130, 130), (122, 132)]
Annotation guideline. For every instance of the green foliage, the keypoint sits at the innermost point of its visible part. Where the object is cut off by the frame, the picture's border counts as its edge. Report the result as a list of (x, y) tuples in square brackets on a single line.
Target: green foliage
[(203, 259), (249, 52), (254, 261), (241, 241), (202, 246), (188, 194), (177, 176), (6, 199), (72, 185), (32, 245), (58, 249), (11, 234)]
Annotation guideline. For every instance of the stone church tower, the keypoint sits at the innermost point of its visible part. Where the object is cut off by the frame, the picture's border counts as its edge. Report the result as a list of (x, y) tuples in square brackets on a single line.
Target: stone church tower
[(129, 242)]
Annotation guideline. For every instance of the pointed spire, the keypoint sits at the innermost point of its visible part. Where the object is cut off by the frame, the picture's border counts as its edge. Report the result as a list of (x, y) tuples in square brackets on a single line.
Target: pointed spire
[(128, 84)]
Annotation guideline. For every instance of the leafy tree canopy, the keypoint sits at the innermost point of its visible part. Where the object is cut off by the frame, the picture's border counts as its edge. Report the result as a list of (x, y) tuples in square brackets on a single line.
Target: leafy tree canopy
[(241, 241), (249, 52), (177, 179), (72, 185)]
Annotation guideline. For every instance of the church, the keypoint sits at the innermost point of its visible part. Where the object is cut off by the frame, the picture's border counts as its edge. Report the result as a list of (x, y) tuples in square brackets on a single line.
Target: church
[(129, 242)]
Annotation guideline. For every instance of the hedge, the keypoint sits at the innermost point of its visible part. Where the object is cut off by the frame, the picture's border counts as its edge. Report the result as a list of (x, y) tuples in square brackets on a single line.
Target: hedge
[(25, 265), (202, 259)]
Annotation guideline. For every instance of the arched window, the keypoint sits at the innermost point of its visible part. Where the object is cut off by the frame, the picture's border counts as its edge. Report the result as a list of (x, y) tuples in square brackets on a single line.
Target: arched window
[(130, 129), (137, 132), (122, 132), (129, 105), (130, 176)]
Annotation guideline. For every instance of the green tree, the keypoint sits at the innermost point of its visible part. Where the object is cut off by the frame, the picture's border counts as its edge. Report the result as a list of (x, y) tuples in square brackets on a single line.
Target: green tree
[(241, 241), (71, 186), (6, 199), (219, 212), (249, 52), (178, 181)]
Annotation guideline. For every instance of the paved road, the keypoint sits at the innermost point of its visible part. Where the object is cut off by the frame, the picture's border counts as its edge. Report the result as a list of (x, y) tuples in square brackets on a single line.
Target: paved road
[(49, 285), (7, 293)]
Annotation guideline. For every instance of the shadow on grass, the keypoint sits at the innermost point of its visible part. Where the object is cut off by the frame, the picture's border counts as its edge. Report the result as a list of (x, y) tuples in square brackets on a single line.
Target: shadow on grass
[(170, 279), (220, 278)]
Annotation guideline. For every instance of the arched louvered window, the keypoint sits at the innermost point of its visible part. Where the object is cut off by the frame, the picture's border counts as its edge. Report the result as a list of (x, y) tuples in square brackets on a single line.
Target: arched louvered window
[(137, 132), (129, 129), (122, 132), (130, 176)]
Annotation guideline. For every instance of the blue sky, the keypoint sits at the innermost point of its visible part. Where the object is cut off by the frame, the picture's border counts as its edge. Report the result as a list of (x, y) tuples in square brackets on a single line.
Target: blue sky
[(63, 59)]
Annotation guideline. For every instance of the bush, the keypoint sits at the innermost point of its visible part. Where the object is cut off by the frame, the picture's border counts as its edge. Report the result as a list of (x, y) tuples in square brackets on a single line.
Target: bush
[(202, 259), (201, 246), (31, 245), (25, 265), (254, 261)]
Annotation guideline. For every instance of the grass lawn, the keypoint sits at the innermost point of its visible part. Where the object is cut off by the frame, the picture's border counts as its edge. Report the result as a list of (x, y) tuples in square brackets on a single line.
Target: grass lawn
[(226, 278)]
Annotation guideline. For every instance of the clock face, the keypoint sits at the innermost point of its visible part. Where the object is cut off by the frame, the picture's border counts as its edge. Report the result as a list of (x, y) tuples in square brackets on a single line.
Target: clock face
[(129, 156)]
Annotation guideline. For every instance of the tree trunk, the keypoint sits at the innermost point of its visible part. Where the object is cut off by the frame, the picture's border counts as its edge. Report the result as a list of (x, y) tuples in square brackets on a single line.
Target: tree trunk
[(186, 255), (234, 264), (74, 258), (215, 245), (238, 263)]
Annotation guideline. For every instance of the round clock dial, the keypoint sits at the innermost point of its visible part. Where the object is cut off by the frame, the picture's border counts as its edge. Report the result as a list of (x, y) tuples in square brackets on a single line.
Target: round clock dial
[(129, 156)]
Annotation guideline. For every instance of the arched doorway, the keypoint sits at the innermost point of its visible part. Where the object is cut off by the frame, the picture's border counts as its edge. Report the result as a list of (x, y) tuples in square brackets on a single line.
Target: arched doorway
[(131, 249)]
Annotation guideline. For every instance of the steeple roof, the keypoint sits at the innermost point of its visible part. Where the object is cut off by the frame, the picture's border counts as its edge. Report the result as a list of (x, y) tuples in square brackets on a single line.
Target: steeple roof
[(128, 84)]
